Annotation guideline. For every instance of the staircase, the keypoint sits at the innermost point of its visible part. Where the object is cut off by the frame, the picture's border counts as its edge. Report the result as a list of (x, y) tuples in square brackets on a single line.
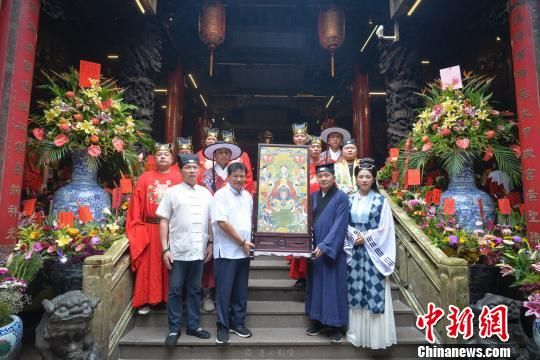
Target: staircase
[(275, 314)]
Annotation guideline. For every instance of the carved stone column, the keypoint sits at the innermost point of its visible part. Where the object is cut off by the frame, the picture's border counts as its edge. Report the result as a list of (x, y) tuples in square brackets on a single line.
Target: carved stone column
[(141, 62), (400, 63)]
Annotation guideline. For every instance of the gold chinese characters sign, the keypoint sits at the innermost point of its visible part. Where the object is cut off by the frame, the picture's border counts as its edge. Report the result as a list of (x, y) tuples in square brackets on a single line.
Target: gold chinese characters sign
[(283, 224)]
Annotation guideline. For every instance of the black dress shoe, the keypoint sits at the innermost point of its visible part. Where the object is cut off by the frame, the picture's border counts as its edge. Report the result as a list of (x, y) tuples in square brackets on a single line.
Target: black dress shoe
[(200, 333), (300, 283), (171, 339), (336, 335), (314, 329)]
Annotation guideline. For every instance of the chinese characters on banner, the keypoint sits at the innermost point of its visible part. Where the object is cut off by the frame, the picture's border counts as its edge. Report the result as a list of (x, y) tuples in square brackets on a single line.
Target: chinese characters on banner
[(20, 51), (528, 107)]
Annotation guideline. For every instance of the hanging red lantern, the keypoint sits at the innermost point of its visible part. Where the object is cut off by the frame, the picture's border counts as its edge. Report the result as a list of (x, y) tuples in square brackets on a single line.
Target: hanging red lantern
[(212, 27), (331, 31)]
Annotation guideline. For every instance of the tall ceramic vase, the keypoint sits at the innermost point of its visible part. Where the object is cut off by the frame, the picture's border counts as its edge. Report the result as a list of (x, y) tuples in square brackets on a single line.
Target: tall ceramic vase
[(11, 339), (463, 190), (83, 189)]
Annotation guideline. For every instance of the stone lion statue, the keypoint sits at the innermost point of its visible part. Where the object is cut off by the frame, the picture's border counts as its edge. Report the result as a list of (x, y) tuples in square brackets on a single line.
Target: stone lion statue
[(65, 328)]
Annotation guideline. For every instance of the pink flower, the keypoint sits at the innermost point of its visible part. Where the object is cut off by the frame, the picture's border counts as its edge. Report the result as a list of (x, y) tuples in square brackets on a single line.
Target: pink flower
[(118, 144), (3, 270), (533, 305), (64, 127), (27, 255), (51, 249), (106, 104), (536, 267), (61, 140), (427, 146), (507, 270), (445, 132), (463, 143), (80, 247), (37, 247), (94, 150), (38, 133)]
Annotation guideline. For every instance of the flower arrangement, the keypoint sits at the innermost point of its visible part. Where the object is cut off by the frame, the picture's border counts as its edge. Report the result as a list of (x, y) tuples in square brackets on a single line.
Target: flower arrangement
[(95, 119), (521, 260), (458, 126), (13, 296), (66, 244)]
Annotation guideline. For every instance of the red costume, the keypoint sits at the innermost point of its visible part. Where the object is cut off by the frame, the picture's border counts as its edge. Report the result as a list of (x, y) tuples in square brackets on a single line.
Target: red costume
[(142, 227)]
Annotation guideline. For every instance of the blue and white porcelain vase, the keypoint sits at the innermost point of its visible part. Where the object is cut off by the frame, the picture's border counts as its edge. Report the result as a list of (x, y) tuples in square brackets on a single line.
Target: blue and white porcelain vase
[(83, 189), (536, 332), (11, 339), (463, 190)]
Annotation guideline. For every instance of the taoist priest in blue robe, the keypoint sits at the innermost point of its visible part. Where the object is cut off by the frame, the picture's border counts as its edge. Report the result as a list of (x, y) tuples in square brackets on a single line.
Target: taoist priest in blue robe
[(327, 306)]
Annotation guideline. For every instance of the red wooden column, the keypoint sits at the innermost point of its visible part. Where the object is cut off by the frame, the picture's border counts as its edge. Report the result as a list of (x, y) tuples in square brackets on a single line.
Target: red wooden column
[(175, 104), (199, 135), (360, 113), (524, 28), (18, 37)]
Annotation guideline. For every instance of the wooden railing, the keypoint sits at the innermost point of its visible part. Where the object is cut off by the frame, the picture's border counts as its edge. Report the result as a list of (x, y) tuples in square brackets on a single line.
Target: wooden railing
[(425, 273), (109, 278)]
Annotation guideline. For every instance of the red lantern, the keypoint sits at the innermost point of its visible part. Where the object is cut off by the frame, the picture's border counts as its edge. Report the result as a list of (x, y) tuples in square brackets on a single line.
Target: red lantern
[(331, 31), (212, 27)]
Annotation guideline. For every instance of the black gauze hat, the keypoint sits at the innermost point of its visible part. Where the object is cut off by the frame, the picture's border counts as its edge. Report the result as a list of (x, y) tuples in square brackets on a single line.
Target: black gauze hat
[(185, 159)]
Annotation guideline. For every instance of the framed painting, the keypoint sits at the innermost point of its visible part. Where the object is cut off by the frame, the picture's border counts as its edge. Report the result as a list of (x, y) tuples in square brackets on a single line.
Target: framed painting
[(282, 216)]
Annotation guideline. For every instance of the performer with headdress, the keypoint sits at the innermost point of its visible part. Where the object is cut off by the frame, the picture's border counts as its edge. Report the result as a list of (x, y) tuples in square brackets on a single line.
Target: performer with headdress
[(345, 167), (315, 150), (142, 227), (300, 134), (228, 136), (210, 137), (326, 300), (220, 154), (334, 137), (183, 146), (372, 239), (298, 265)]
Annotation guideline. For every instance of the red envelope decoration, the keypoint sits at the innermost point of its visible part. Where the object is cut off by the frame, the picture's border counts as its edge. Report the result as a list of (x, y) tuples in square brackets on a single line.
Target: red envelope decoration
[(504, 206), (65, 218), (88, 70), (29, 207), (449, 206), (85, 215), (126, 185)]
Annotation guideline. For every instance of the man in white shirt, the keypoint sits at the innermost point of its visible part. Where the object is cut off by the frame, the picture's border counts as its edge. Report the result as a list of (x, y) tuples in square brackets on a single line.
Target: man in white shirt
[(334, 137), (231, 214), (185, 239)]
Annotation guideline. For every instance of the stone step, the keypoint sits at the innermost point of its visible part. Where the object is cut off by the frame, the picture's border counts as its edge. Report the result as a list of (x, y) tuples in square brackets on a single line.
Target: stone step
[(269, 269), (284, 290), (265, 314), (266, 343), (275, 290)]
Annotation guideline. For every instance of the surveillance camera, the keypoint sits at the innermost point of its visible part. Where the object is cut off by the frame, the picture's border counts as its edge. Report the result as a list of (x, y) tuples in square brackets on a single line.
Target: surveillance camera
[(380, 31)]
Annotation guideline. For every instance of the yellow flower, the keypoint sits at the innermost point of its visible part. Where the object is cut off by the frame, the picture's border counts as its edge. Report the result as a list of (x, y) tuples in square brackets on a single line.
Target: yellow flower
[(34, 235), (87, 127), (63, 240), (113, 228), (73, 232), (462, 240)]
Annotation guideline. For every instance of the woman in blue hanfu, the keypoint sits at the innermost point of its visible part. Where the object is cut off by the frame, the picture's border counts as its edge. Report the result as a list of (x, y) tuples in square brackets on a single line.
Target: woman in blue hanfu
[(371, 234)]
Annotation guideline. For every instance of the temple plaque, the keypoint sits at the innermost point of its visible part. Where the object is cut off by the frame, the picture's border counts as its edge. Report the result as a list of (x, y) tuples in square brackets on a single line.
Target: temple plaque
[(282, 217)]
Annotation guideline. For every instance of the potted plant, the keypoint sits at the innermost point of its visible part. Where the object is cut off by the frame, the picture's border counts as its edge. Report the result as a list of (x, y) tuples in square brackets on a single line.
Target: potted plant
[(91, 125), (456, 128), (12, 300)]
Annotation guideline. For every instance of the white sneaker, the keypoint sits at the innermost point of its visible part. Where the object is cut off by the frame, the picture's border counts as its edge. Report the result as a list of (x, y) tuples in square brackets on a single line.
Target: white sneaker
[(208, 305), (144, 310)]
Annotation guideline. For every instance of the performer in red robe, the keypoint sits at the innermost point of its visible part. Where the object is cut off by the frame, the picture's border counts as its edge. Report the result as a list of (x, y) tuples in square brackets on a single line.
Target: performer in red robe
[(298, 265), (249, 185), (211, 137), (142, 227)]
